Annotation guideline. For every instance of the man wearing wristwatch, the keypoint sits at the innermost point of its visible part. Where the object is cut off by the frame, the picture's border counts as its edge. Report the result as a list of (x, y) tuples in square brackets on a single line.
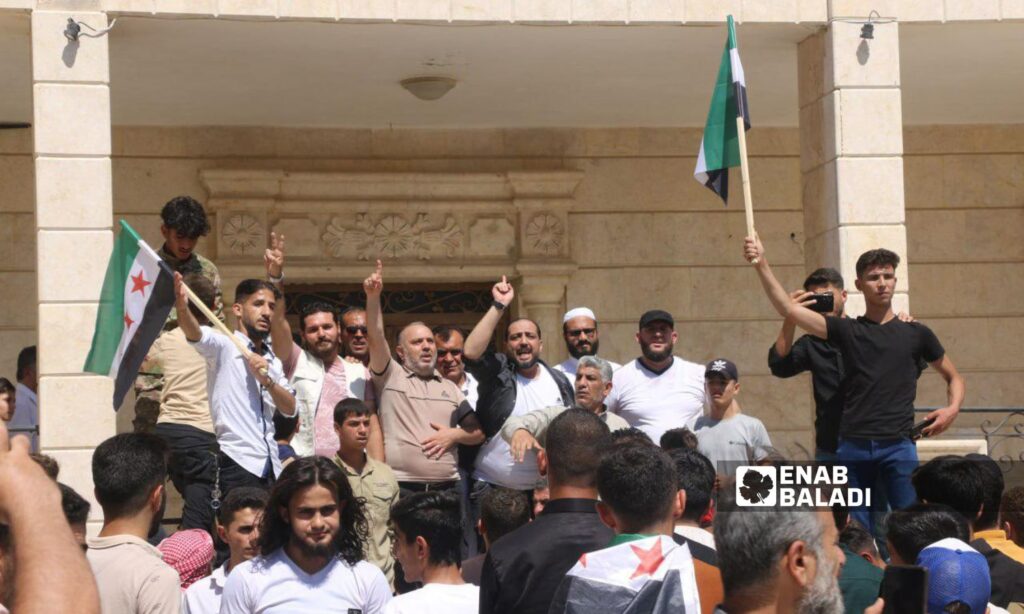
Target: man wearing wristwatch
[(244, 390), (509, 384)]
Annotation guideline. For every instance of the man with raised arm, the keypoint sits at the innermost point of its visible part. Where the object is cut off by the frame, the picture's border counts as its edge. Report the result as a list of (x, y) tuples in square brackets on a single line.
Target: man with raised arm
[(880, 356), (423, 415), (321, 378), (510, 384), (244, 390)]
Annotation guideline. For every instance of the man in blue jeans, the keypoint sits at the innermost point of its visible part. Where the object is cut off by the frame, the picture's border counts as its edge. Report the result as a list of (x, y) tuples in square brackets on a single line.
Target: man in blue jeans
[(880, 356)]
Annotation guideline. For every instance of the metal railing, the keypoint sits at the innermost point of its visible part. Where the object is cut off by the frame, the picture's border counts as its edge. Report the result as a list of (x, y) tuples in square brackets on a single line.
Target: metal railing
[(996, 431)]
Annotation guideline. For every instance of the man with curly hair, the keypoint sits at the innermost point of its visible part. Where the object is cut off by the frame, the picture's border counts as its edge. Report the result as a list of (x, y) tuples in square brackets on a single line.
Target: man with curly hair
[(311, 549)]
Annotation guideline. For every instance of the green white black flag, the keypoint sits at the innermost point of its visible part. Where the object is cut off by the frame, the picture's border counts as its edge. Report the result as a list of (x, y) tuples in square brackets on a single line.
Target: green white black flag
[(719, 149), (137, 295)]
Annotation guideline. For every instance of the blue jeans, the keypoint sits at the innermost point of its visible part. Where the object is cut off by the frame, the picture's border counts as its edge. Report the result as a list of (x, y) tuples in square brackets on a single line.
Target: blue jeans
[(885, 464)]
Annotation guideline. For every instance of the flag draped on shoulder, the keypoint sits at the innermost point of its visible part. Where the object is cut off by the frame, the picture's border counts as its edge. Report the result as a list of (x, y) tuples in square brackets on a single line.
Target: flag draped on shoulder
[(650, 575), (137, 295), (719, 149)]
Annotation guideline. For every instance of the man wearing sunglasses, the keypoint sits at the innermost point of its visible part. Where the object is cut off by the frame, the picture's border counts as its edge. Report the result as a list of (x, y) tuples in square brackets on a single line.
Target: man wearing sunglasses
[(579, 328), (450, 342), (354, 345)]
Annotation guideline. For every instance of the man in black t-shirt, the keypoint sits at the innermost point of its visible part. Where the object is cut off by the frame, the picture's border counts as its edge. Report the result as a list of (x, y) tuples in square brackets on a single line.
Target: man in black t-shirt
[(880, 357)]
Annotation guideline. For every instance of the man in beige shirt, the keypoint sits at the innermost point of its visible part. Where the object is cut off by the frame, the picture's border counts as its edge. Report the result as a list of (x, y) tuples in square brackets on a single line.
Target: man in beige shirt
[(129, 472), (371, 480), (424, 416), (593, 385), (184, 423)]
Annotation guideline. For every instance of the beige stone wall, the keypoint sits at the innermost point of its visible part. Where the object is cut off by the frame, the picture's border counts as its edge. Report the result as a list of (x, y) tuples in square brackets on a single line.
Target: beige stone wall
[(643, 232), (965, 215)]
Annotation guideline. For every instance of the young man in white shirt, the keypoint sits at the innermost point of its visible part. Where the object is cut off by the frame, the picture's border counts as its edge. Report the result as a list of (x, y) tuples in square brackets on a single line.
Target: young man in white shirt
[(428, 544), (244, 391), (579, 329), (657, 391), (238, 526), (311, 550)]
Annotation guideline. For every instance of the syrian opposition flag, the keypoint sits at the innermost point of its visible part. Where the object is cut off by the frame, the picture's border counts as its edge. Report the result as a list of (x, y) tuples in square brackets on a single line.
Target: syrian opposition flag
[(719, 149), (137, 296), (652, 575)]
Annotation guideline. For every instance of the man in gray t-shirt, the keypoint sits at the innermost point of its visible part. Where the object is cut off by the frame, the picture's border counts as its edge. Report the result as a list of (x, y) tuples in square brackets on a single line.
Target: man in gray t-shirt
[(726, 436)]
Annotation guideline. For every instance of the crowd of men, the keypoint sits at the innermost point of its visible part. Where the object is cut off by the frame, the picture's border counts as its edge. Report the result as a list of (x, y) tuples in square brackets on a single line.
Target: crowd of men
[(322, 469)]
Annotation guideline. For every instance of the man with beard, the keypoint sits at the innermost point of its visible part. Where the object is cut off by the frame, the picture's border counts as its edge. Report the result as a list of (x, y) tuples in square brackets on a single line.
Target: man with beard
[(320, 377), (129, 471), (657, 391), (354, 344), (424, 416), (579, 328), (244, 390), (778, 560), (510, 384), (311, 550)]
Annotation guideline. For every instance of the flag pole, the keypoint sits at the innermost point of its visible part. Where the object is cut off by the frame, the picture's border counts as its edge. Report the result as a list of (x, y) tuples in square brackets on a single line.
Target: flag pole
[(748, 205), (214, 320)]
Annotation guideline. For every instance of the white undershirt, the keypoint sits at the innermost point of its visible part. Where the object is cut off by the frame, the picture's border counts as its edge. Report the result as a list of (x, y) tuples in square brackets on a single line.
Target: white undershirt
[(437, 599), (655, 403), (495, 463), (276, 585)]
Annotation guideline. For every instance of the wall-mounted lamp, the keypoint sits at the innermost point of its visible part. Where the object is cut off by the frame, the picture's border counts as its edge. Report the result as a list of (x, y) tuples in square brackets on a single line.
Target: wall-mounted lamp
[(867, 31), (74, 30), (428, 88)]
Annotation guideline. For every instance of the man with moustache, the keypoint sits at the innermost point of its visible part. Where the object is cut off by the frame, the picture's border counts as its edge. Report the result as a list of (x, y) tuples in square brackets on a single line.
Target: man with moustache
[(320, 377), (451, 343), (579, 328), (657, 391), (244, 390), (424, 416), (354, 345), (312, 557), (510, 384)]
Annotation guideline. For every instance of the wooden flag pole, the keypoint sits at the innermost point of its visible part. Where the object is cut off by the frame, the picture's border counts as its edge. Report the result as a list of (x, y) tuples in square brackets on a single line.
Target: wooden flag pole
[(748, 205), (215, 321)]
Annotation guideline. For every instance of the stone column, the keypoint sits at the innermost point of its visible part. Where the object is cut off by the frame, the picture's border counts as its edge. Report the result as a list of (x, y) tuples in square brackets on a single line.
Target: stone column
[(851, 148), (543, 201), (73, 218)]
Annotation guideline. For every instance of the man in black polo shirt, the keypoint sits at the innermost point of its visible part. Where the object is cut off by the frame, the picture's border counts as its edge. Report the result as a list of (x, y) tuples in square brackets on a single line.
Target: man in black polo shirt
[(523, 569), (880, 356)]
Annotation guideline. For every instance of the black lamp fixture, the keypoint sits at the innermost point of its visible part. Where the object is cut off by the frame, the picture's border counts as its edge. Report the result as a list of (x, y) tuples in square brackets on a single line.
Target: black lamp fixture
[(867, 31), (73, 31)]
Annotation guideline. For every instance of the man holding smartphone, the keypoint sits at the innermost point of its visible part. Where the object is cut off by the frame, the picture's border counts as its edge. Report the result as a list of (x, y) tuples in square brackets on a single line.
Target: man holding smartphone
[(880, 357)]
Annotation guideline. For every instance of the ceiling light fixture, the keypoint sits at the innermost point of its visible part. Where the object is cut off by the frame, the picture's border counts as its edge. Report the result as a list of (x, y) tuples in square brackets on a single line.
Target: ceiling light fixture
[(428, 88)]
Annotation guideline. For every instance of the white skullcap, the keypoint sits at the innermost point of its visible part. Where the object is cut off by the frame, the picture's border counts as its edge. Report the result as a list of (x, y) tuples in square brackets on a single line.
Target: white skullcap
[(578, 312)]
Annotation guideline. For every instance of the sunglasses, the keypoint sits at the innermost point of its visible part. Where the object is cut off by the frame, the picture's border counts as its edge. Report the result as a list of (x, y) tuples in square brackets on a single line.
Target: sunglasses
[(355, 329), (454, 353)]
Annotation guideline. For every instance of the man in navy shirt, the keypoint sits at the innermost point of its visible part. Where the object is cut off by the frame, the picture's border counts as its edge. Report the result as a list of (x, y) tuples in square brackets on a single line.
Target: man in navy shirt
[(880, 357)]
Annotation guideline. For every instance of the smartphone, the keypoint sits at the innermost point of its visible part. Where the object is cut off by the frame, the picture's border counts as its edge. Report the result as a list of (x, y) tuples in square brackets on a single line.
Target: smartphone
[(823, 303), (918, 431), (905, 589)]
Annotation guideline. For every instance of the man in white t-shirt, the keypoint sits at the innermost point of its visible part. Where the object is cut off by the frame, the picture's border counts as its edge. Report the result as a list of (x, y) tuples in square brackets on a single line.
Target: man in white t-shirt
[(312, 557), (428, 545), (657, 391), (238, 522), (579, 329), (510, 384)]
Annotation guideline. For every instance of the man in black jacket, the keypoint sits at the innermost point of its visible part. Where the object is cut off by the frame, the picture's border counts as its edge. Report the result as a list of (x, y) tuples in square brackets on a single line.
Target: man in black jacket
[(523, 569), (509, 384)]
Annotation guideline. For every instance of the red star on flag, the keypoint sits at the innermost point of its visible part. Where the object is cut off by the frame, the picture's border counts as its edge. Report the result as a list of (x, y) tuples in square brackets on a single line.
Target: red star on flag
[(139, 283), (650, 560), (583, 559), (128, 321)]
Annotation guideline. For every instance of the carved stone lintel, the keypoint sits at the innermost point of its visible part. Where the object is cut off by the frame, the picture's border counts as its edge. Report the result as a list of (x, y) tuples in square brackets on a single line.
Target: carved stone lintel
[(392, 236)]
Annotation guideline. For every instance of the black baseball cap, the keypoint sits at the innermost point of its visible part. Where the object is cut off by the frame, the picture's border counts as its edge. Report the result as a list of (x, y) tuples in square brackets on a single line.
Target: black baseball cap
[(723, 367), (657, 315)]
